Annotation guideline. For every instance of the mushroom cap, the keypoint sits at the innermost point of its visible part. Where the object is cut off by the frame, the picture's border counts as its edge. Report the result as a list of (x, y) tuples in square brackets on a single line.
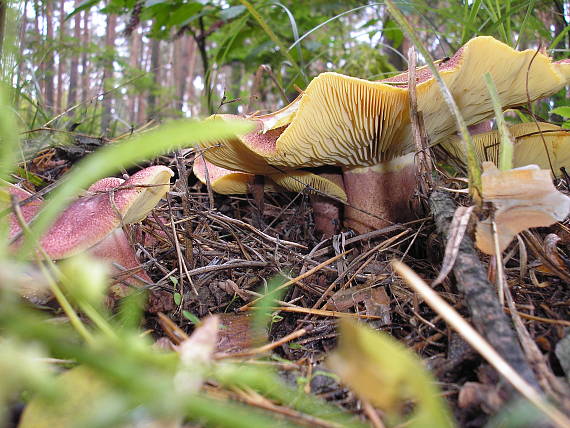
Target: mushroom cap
[(463, 74), (530, 147), (88, 220), (226, 182), (351, 122), (222, 180)]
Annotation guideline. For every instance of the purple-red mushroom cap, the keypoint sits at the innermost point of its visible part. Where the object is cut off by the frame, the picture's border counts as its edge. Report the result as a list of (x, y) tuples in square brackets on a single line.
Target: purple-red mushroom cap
[(111, 203)]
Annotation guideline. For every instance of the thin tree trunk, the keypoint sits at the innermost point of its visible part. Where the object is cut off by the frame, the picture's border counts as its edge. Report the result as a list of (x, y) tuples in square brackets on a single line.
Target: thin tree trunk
[(74, 66), (60, 59), (134, 63), (236, 75), (155, 70), (181, 71), (84, 60), (49, 71), (41, 67), (21, 47), (191, 59), (144, 62), (3, 7), (108, 73)]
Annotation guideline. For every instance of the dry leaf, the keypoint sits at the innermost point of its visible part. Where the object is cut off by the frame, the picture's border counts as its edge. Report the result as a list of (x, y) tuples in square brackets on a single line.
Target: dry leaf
[(523, 198)]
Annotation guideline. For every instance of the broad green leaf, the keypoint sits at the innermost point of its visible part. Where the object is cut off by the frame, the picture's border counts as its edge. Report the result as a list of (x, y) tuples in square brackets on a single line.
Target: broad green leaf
[(232, 12), (388, 375), (563, 111), (392, 32)]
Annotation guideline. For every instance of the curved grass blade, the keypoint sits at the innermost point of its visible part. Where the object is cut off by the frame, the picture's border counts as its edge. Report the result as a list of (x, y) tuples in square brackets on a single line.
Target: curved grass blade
[(110, 159)]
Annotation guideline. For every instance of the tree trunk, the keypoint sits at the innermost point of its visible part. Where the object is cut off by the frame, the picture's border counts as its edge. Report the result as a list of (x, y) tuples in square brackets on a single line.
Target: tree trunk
[(191, 59), (59, 107), (84, 61), (3, 7), (144, 64), (179, 67), (155, 70), (41, 66), (134, 63), (108, 73), (49, 73), (74, 66), (23, 31)]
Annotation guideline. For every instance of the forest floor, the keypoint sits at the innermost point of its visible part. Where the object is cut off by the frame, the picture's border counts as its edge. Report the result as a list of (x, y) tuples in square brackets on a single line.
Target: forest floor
[(231, 250)]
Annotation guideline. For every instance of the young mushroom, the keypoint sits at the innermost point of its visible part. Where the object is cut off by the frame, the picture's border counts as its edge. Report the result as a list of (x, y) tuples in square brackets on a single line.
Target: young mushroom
[(94, 222), (365, 128)]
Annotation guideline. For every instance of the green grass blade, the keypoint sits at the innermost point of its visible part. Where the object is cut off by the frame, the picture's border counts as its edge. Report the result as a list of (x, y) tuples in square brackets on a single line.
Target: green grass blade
[(294, 29), (506, 147), (522, 28), (559, 37), (110, 159), (271, 34), (9, 138)]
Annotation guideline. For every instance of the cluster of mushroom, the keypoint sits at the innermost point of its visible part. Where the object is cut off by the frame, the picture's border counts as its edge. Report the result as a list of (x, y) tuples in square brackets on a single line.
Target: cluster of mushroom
[(96, 222), (364, 128)]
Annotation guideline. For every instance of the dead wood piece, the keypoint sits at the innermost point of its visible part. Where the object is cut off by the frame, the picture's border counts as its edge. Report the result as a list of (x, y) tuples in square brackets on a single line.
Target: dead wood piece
[(480, 295)]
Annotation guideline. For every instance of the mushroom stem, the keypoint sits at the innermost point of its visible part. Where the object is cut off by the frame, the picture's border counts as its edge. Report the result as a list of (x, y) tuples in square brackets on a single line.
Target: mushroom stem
[(380, 195), (326, 211)]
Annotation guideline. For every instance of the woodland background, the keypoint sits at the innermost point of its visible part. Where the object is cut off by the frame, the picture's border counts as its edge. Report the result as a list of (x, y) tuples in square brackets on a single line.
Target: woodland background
[(110, 66)]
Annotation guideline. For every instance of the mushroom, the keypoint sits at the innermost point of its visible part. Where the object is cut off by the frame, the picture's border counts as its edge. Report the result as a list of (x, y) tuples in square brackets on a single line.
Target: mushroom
[(364, 127), (542, 144), (94, 222), (227, 182)]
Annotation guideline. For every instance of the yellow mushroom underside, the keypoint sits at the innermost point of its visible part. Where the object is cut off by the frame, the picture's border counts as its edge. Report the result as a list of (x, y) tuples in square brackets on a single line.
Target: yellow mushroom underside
[(530, 146), (346, 121), (228, 182)]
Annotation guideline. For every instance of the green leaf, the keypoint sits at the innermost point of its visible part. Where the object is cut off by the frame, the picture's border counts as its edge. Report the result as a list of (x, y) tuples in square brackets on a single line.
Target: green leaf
[(392, 32), (232, 12), (84, 5), (563, 111), (191, 317), (183, 13), (177, 298), (384, 372)]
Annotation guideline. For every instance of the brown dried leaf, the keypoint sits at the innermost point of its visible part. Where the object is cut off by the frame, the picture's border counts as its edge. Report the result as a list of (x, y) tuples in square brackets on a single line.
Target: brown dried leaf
[(523, 198), (235, 333)]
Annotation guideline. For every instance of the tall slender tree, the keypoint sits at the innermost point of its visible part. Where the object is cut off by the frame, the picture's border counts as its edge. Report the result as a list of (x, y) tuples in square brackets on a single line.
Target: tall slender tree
[(85, 40), (135, 42), (60, 58), (3, 7), (74, 65), (49, 72), (155, 70), (110, 36)]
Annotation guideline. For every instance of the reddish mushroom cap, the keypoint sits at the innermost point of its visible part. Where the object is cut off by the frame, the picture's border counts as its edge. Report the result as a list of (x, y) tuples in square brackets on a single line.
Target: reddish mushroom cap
[(89, 219)]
